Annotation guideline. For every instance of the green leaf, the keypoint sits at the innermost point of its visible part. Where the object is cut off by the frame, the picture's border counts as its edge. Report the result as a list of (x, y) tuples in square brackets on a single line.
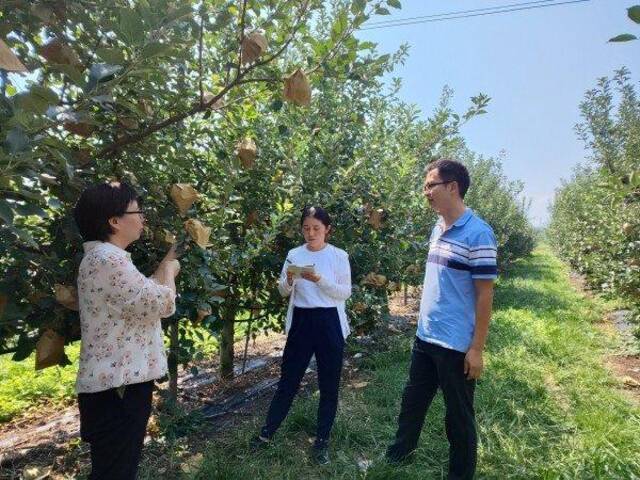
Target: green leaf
[(366, 45), (186, 10), (72, 73), (101, 72), (6, 213), (625, 37), (154, 49), (46, 94), (111, 55), (394, 3), (30, 209), (130, 26), (382, 11), (339, 26), (634, 13), (53, 202), (357, 6), (17, 140), (30, 103), (276, 106), (24, 236)]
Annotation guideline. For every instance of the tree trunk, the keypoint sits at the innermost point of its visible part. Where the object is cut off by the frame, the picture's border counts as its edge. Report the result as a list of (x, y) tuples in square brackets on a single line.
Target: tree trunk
[(226, 342), (246, 341), (406, 288)]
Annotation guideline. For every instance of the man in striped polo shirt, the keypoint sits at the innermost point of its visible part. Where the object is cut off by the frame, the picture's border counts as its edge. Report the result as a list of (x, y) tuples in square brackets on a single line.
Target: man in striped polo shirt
[(455, 310)]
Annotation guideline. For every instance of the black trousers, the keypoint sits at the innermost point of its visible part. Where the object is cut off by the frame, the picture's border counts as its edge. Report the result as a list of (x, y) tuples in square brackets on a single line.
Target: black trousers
[(115, 429), (313, 330), (434, 367)]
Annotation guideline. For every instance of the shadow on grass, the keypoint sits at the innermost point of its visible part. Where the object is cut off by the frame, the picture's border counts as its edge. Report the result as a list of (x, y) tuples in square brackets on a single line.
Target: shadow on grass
[(524, 425), (533, 267)]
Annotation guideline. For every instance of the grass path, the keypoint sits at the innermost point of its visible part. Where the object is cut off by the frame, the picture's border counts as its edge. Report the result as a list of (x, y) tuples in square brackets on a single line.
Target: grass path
[(546, 407)]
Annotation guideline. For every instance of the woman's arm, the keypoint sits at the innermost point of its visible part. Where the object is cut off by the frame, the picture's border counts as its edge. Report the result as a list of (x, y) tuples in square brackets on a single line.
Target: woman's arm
[(340, 289), (166, 274), (168, 269), (136, 296), (285, 282)]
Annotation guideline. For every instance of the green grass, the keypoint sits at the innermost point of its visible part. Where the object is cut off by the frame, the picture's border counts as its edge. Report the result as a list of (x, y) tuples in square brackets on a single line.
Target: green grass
[(546, 406), (22, 388)]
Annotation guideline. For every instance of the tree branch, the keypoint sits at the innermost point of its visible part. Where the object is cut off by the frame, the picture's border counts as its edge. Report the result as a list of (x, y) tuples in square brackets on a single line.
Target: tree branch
[(117, 145), (200, 41), (260, 80), (243, 13), (297, 26), (331, 53)]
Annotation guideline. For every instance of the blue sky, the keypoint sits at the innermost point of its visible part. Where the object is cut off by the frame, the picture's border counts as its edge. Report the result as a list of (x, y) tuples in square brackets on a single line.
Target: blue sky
[(535, 64)]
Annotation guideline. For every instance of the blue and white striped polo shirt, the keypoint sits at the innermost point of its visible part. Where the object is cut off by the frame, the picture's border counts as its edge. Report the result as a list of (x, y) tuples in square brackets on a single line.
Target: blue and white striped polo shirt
[(458, 256)]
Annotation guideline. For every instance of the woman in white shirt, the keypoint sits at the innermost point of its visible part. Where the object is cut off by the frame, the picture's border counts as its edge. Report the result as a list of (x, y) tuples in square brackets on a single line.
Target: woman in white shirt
[(121, 348), (316, 323)]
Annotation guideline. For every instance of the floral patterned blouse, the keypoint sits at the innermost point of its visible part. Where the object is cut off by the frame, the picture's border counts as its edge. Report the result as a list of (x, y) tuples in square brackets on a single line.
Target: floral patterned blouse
[(120, 312)]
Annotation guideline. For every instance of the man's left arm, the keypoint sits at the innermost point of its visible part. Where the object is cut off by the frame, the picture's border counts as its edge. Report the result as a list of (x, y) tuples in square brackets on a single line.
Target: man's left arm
[(473, 362)]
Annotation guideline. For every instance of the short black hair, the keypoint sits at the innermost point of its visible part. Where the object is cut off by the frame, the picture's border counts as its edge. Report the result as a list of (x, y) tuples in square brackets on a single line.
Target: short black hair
[(97, 204), (452, 171), (316, 212)]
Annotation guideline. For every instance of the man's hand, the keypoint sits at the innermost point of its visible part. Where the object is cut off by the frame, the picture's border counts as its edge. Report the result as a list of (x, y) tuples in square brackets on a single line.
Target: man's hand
[(312, 277), (473, 364), (289, 278)]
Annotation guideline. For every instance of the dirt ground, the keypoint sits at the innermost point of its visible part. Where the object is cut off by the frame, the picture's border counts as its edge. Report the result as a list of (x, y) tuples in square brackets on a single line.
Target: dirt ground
[(45, 443)]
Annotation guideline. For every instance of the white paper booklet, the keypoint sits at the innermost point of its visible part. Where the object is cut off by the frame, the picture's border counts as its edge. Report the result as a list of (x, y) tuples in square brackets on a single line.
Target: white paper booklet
[(297, 270)]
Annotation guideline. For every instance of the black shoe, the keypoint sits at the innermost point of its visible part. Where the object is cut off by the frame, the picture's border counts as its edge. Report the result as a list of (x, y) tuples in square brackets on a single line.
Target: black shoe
[(259, 442), (394, 458), (320, 453)]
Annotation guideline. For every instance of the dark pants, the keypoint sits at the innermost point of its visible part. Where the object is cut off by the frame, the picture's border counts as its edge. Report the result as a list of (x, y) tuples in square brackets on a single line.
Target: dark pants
[(433, 366), (313, 330), (115, 429)]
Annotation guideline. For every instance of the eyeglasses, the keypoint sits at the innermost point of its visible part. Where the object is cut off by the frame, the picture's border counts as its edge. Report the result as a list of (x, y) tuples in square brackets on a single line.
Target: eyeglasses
[(139, 212), (429, 186)]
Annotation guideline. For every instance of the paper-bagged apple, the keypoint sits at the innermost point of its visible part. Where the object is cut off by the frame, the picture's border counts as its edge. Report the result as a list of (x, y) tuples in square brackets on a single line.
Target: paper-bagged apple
[(82, 129), (246, 151), (374, 280), (49, 349), (253, 46), (393, 286), (9, 61), (183, 195), (66, 296), (56, 51), (198, 232), (202, 313), (375, 218), (359, 307), (165, 236), (297, 88), (251, 219), (412, 270)]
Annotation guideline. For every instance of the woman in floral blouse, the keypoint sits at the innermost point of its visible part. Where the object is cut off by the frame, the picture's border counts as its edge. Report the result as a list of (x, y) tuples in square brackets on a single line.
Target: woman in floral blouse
[(122, 350)]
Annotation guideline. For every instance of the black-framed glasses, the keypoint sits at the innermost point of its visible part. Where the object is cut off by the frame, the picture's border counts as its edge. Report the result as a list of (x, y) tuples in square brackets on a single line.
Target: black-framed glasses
[(429, 186), (139, 212)]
